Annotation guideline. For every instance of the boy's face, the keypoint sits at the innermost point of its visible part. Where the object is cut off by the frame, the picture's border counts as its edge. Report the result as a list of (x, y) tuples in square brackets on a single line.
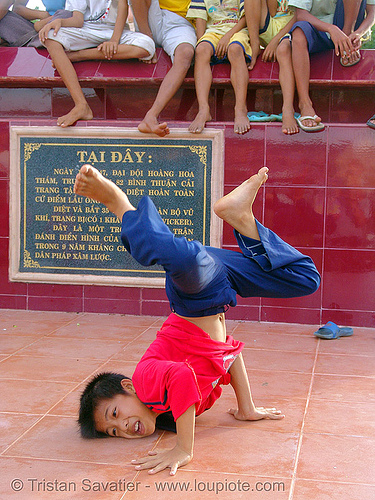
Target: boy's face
[(124, 416)]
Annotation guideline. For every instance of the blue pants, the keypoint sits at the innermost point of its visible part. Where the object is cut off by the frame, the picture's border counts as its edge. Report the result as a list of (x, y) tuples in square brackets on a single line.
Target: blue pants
[(201, 280), (318, 41)]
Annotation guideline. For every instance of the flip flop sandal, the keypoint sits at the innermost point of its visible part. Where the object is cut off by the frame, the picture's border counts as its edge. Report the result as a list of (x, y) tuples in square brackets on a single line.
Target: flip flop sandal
[(315, 128), (350, 63), (331, 331)]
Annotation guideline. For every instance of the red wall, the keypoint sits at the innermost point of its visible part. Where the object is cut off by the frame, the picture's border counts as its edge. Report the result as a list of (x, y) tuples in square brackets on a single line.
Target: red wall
[(320, 197)]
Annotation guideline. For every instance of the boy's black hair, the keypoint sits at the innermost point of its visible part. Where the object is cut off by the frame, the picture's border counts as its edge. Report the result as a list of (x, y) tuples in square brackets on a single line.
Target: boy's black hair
[(106, 385)]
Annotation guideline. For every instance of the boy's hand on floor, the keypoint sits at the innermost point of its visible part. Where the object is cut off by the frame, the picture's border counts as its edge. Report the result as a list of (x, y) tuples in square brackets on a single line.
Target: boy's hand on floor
[(158, 461), (258, 413)]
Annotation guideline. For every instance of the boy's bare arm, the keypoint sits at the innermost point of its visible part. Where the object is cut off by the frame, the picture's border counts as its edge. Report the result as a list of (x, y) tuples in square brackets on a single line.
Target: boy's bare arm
[(365, 26), (272, 7), (246, 409), (4, 7), (109, 48), (178, 456), (342, 43), (200, 27), (76, 21), (269, 53), (140, 10), (30, 14), (253, 15)]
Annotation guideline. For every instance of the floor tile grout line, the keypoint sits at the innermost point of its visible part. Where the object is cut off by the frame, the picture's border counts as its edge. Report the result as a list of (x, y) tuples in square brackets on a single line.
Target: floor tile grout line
[(19, 351), (65, 395), (299, 444), (45, 459), (21, 436), (37, 340)]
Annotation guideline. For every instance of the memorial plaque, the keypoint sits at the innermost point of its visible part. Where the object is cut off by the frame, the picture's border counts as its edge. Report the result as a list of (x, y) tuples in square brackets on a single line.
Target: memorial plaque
[(57, 236)]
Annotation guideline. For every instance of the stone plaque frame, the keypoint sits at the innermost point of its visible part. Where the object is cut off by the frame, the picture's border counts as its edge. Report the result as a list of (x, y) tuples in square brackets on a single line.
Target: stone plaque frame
[(23, 266)]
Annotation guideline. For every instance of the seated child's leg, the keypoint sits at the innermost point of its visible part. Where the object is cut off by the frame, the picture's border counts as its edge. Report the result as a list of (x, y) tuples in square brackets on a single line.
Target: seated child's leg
[(301, 66), (203, 81), (132, 46), (349, 14), (287, 84), (81, 110), (239, 77)]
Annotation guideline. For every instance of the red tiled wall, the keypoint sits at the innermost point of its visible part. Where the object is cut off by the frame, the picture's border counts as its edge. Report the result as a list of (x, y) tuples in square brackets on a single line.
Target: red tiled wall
[(320, 197)]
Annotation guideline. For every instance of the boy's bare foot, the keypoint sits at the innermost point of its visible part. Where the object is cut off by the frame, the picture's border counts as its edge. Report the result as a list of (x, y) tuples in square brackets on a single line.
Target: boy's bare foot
[(91, 183), (154, 60), (197, 125), (241, 122), (236, 207), (80, 112), (150, 125), (289, 126)]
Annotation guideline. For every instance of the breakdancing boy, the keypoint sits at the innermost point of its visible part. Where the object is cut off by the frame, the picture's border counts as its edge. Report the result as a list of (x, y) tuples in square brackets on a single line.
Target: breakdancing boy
[(182, 370)]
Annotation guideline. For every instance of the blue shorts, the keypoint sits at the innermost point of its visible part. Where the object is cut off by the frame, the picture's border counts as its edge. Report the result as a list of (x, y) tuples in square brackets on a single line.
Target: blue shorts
[(203, 281), (319, 41)]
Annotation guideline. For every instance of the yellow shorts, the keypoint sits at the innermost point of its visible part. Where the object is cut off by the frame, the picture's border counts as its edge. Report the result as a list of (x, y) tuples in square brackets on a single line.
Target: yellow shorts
[(274, 26), (242, 37)]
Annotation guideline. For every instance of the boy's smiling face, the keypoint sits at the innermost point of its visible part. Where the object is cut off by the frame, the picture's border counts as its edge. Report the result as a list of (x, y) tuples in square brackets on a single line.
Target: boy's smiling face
[(124, 415)]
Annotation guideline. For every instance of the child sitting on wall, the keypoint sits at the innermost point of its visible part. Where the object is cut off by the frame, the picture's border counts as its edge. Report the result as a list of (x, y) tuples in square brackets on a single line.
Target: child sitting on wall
[(96, 30)]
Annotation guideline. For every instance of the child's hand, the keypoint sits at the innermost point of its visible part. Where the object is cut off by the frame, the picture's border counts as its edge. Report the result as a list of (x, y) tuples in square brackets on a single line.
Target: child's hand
[(269, 54), (158, 461), (109, 49), (343, 44), (356, 40), (258, 413), (54, 25), (254, 55), (222, 47)]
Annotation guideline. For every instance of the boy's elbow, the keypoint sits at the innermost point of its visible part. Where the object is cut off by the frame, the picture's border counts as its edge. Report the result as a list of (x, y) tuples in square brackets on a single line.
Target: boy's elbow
[(299, 14)]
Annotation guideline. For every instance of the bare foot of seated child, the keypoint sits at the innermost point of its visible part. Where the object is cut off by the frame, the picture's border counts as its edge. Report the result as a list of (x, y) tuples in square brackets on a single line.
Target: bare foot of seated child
[(150, 125), (197, 125), (241, 121), (82, 112), (289, 126)]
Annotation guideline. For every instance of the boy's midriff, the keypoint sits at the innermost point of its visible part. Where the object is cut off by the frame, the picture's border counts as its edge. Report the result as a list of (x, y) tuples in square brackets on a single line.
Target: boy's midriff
[(213, 325)]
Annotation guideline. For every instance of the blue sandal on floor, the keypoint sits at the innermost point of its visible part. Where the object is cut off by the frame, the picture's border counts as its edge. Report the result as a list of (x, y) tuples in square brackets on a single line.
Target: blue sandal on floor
[(331, 331)]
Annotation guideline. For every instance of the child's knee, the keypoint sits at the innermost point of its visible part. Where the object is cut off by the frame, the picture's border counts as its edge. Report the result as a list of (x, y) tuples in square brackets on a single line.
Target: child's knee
[(283, 49), (299, 38), (204, 51), (184, 54), (235, 52)]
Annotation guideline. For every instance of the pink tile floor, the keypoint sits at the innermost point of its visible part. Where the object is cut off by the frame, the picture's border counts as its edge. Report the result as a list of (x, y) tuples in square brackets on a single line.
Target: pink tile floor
[(323, 449)]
